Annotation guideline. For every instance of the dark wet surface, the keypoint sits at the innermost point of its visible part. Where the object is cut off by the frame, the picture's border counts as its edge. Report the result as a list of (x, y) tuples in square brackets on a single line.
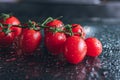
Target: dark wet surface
[(43, 66)]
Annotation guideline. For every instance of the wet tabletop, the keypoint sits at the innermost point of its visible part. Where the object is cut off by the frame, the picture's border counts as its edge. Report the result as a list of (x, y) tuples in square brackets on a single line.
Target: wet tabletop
[(43, 66)]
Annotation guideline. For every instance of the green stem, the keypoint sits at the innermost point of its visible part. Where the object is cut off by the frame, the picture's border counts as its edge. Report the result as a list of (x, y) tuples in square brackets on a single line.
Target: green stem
[(6, 30), (59, 17), (31, 25), (1, 25), (4, 16), (69, 28), (47, 20)]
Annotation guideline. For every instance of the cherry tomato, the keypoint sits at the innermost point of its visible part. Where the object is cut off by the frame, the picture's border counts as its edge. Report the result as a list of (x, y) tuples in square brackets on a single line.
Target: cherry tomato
[(77, 30), (55, 42), (13, 21), (94, 46), (6, 39), (54, 24), (75, 49), (30, 40)]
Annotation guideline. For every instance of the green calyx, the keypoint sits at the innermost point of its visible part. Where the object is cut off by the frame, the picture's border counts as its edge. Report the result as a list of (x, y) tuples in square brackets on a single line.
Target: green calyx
[(6, 30), (68, 28), (31, 25), (5, 16), (69, 31)]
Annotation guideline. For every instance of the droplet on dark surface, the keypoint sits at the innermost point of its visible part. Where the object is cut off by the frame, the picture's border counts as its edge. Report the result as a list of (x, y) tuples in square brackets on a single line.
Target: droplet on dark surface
[(11, 59)]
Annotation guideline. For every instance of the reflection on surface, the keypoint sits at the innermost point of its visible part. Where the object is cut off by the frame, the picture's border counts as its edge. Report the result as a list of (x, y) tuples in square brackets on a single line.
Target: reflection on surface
[(44, 66)]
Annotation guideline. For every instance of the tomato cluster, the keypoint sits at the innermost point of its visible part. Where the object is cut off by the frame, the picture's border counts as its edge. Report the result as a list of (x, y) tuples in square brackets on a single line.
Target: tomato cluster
[(69, 40)]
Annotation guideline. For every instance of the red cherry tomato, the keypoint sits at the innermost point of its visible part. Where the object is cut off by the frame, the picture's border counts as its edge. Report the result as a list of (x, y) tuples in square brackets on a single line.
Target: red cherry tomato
[(6, 39), (54, 24), (77, 30), (30, 40), (13, 21), (75, 49), (94, 47), (54, 42), (16, 30)]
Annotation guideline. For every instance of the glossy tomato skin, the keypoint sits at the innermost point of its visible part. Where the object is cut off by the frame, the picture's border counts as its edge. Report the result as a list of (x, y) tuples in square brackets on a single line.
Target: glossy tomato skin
[(77, 30), (54, 24), (29, 40), (13, 21), (16, 31), (55, 42), (6, 39), (75, 49), (94, 46)]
